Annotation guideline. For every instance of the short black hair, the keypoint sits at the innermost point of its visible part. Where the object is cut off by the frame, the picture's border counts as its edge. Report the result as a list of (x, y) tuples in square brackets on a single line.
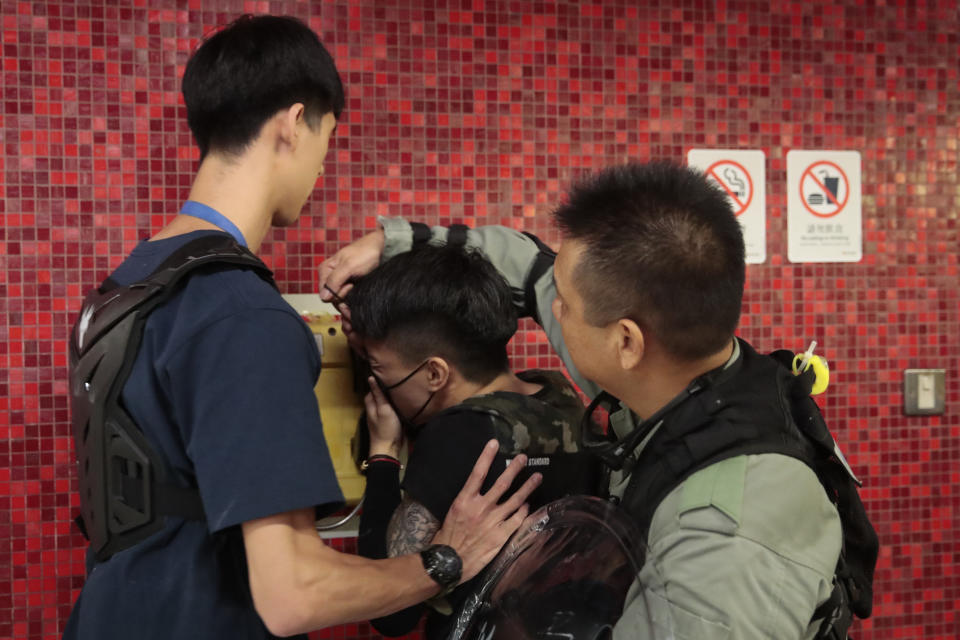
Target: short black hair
[(663, 247), (248, 71), (438, 301)]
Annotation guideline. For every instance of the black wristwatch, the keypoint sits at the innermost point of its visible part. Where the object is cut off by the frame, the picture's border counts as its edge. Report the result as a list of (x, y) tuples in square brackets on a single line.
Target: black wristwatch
[(443, 565)]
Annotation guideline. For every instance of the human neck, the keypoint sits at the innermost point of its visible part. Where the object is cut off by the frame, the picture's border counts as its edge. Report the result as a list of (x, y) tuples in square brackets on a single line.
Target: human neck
[(237, 188), (463, 389), (662, 379), (508, 381)]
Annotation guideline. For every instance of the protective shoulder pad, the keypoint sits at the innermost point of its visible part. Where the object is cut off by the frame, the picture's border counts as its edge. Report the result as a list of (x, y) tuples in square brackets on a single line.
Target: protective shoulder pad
[(123, 482)]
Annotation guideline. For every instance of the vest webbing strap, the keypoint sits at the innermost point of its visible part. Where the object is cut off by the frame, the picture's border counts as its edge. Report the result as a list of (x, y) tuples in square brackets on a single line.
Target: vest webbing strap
[(544, 260), (421, 233), (457, 235)]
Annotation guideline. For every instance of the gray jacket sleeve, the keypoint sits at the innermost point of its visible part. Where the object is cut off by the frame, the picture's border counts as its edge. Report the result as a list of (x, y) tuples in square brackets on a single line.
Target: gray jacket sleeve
[(513, 254)]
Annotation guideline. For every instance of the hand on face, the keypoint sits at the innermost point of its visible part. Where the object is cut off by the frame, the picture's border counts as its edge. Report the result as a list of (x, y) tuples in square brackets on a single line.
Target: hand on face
[(386, 432)]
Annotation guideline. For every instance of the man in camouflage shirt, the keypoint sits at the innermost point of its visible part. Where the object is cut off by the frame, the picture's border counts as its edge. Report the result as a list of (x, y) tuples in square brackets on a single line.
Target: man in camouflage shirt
[(433, 325)]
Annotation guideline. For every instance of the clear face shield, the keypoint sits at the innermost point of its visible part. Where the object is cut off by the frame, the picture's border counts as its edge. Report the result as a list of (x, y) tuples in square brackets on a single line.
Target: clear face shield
[(568, 573)]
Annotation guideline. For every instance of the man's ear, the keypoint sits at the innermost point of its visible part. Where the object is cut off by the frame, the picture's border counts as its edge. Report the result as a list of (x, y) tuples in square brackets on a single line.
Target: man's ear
[(288, 120), (631, 345), (438, 373)]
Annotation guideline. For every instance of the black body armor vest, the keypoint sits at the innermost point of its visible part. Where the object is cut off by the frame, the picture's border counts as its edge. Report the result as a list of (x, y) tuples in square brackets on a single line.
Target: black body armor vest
[(125, 486), (758, 406)]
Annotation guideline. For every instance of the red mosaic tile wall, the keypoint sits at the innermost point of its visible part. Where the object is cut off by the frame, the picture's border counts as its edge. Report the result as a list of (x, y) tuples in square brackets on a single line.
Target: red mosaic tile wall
[(481, 111)]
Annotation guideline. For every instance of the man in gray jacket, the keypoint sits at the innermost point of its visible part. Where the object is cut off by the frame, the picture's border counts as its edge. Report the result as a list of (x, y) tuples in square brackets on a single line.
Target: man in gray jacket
[(645, 294)]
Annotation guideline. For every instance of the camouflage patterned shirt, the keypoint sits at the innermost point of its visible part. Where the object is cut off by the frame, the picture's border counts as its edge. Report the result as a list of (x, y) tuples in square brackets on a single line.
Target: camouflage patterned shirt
[(544, 423)]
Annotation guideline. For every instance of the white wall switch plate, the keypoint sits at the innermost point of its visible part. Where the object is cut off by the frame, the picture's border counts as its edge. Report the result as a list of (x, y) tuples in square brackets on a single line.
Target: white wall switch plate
[(924, 392)]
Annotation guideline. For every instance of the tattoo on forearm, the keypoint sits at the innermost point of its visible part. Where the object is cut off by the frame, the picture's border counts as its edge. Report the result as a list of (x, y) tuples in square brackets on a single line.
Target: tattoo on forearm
[(411, 529)]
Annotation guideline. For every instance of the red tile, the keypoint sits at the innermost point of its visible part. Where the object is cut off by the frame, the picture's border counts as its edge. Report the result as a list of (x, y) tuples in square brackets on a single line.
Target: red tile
[(468, 112)]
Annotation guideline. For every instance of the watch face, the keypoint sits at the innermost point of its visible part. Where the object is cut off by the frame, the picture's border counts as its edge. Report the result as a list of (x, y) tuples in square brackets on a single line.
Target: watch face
[(442, 564)]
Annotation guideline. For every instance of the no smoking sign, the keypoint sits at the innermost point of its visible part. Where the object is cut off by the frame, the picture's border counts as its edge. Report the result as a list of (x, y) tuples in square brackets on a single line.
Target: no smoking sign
[(740, 173), (735, 180), (823, 206)]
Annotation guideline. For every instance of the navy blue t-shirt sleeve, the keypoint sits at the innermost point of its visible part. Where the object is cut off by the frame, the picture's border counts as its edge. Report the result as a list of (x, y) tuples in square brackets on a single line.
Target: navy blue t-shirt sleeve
[(242, 392), (443, 457)]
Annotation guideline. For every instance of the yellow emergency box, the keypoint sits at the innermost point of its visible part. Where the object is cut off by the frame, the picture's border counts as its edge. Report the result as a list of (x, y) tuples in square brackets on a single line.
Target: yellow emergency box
[(340, 403)]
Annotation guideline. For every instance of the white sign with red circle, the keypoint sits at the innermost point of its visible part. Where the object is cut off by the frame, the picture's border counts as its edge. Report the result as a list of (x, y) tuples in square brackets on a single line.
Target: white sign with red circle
[(824, 217), (741, 174)]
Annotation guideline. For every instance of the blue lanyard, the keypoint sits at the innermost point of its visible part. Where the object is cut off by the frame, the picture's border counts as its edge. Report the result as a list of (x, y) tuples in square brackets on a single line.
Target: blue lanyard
[(199, 210)]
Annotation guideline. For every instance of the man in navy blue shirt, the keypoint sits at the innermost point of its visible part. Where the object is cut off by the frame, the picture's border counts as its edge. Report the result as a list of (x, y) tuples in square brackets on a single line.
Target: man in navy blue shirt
[(222, 387)]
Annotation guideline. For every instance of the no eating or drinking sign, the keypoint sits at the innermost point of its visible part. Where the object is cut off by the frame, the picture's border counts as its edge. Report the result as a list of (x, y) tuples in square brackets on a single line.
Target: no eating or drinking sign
[(824, 217)]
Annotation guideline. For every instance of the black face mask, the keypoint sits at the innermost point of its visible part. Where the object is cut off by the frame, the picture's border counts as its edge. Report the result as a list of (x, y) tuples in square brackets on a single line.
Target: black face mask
[(408, 424)]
